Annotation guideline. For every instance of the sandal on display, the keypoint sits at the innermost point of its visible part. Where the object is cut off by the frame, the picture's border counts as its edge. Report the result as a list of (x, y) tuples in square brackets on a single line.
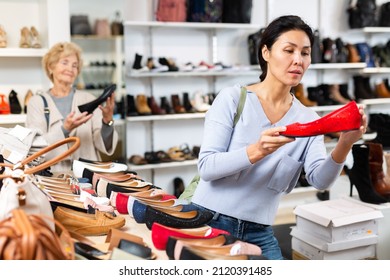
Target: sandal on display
[(137, 160), (24, 38), (35, 38), (176, 154)]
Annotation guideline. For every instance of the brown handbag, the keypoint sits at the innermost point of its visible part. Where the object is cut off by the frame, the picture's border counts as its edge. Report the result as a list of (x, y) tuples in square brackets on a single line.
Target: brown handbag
[(23, 164), (29, 237), (102, 28)]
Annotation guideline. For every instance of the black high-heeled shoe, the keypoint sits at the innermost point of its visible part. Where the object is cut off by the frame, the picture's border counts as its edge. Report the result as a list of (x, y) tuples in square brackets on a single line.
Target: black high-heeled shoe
[(359, 176), (91, 106)]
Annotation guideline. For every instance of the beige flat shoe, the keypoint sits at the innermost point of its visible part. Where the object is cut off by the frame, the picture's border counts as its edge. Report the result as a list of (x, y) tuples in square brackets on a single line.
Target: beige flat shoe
[(3, 37)]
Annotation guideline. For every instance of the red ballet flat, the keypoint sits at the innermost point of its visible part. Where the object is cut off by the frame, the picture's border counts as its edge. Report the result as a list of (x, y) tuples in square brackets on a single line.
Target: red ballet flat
[(161, 233), (343, 119)]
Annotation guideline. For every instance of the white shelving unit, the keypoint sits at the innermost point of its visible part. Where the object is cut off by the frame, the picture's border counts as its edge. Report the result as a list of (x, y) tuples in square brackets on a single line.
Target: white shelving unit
[(187, 41), (21, 68), (19, 52), (108, 49)]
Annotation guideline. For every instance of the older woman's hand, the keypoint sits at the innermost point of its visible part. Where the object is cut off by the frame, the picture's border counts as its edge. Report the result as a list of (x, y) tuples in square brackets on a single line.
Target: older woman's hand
[(72, 120), (108, 109)]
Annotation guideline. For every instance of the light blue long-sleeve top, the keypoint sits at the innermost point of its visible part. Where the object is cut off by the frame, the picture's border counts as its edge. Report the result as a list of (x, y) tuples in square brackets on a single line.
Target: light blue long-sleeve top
[(230, 184)]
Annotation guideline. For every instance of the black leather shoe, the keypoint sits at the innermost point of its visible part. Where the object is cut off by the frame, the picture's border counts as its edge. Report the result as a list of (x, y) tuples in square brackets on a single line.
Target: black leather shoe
[(176, 219), (91, 106)]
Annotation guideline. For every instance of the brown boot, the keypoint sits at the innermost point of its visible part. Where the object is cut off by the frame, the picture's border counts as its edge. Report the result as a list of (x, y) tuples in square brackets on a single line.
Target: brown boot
[(176, 104), (387, 160), (300, 95), (24, 38), (377, 175), (353, 54), (381, 90), (142, 106), (156, 110)]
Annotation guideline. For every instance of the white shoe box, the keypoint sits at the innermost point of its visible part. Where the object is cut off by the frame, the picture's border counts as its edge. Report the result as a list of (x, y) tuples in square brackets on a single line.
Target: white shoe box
[(337, 220), (332, 247), (313, 253)]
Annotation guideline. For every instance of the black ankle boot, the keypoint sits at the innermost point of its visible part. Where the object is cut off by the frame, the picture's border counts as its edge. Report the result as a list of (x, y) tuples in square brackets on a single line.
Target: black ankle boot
[(187, 103), (359, 176), (178, 186), (165, 105), (380, 123), (317, 94), (14, 103), (344, 91), (91, 106), (137, 61), (131, 109), (362, 88)]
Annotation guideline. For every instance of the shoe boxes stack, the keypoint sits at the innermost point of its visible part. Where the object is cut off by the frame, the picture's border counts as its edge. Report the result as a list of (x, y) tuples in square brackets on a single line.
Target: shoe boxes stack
[(339, 229)]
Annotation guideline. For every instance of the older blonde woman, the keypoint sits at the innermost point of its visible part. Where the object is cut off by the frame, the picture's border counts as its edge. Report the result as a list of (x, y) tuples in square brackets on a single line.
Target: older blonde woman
[(62, 64)]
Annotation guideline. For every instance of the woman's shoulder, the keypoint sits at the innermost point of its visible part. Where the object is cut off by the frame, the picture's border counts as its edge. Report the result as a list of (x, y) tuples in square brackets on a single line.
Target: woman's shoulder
[(230, 93)]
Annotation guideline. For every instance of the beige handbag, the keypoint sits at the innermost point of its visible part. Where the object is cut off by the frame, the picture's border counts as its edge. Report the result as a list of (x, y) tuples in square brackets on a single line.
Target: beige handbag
[(19, 191)]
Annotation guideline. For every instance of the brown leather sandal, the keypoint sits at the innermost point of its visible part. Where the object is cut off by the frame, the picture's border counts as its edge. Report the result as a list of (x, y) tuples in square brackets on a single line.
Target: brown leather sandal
[(176, 154)]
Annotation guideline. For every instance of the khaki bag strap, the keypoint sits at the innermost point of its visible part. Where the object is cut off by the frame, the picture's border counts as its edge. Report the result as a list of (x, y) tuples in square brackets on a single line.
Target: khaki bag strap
[(21, 165), (240, 106)]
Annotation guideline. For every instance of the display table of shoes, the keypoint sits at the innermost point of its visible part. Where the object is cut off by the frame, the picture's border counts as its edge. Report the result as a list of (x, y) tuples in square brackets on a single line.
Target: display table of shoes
[(140, 230)]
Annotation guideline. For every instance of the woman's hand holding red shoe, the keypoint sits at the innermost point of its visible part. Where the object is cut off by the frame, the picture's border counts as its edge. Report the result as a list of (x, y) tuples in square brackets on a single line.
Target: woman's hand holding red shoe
[(270, 140)]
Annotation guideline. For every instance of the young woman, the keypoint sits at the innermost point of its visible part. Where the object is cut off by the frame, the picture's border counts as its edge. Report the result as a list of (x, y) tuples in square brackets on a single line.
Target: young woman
[(244, 171)]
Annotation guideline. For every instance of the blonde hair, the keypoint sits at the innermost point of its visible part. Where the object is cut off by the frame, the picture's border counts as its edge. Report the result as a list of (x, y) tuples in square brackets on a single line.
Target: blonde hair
[(58, 51)]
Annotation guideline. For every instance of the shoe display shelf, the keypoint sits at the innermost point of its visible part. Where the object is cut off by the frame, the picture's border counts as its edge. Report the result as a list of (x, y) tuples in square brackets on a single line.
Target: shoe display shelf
[(372, 35), (184, 42), (21, 66), (101, 49)]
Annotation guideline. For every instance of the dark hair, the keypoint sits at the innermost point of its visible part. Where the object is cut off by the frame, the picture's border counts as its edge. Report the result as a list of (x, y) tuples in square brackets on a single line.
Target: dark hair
[(277, 27)]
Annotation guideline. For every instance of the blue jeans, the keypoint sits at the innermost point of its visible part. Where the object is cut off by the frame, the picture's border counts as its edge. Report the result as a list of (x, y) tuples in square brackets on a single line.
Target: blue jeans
[(261, 235)]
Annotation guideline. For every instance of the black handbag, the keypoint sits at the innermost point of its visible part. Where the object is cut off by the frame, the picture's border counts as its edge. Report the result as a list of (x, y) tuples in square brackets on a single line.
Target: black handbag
[(362, 13), (79, 25), (14, 103), (237, 11), (253, 46), (316, 49), (384, 14), (204, 10)]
